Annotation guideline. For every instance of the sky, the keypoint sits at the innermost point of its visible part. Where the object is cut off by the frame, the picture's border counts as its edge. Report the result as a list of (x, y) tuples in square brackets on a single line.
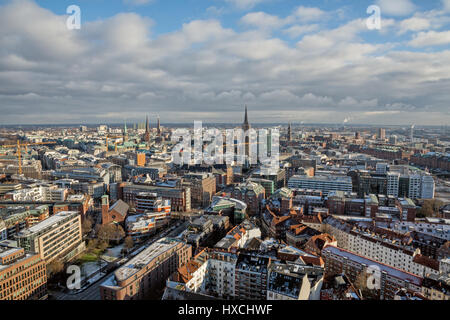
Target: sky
[(298, 61)]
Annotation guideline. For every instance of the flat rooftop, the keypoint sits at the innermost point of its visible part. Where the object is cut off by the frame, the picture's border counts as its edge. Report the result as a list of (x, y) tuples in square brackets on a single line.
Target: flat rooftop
[(48, 223), (145, 257)]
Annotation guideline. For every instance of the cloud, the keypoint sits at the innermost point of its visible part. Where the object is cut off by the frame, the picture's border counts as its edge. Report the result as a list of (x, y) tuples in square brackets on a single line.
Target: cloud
[(446, 5), (414, 24), (118, 67), (298, 20), (430, 38), (263, 20), (423, 21), (215, 11), (299, 30), (245, 4), (396, 7), (308, 14), (138, 2)]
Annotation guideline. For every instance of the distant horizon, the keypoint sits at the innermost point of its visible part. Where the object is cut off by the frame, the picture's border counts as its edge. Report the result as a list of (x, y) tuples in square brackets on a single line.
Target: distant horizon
[(153, 124)]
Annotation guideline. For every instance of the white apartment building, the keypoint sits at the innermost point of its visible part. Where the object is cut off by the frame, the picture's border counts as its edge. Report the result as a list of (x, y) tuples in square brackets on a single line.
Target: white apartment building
[(192, 275), (439, 230), (420, 186), (393, 180), (375, 247), (41, 193), (415, 186), (210, 273), (428, 187), (381, 168), (54, 193), (221, 273), (324, 183), (3, 231)]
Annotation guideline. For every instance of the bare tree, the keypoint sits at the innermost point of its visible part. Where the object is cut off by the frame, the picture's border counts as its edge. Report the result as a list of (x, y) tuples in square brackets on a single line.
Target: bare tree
[(129, 243), (54, 267), (87, 225), (111, 232)]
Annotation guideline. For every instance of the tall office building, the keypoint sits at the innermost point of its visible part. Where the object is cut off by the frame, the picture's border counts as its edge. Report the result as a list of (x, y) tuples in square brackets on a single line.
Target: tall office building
[(382, 133)]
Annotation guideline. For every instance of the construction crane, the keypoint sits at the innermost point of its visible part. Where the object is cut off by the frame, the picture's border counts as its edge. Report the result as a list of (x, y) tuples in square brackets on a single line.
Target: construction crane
[(25, 145)]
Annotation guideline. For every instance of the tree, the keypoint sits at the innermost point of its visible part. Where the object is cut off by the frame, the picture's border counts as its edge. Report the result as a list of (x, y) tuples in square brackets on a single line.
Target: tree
[(129, 243), (87, 225), (430, 208), (54, 267), (111, 232)]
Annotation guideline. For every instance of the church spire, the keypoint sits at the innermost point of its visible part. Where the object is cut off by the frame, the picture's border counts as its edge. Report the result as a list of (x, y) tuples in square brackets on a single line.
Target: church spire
[(246, 116), (289, 132), (246, 125), (125, 132), (158, 127)]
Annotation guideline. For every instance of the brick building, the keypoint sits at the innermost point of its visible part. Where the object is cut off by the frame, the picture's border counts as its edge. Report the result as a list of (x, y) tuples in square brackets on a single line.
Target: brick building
[(23, 276)]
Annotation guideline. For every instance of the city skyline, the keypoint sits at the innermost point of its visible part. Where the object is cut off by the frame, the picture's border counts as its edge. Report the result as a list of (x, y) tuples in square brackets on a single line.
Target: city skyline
[(289, 61)]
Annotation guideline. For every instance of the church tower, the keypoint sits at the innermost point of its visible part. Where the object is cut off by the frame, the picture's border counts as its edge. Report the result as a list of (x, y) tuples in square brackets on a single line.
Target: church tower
[(125, 132), (246, 127), (147, 130), (289, 132), (158, 127)]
